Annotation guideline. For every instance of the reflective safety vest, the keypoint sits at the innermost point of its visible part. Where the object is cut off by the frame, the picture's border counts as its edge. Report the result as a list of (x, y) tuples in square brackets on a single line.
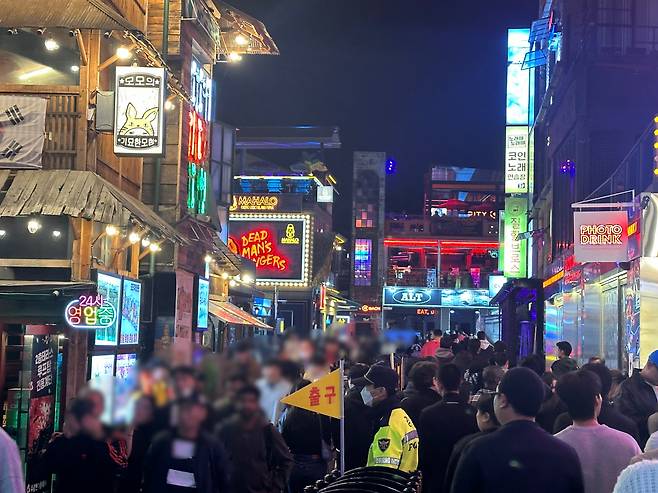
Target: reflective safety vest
[(396, 443)]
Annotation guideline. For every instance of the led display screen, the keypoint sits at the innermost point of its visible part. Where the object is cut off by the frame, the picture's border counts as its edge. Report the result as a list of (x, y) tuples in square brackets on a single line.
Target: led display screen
[(362, 262), (109, 287), (202, 303), (130, 311), (518, 80), (516, 160), (278, 245)]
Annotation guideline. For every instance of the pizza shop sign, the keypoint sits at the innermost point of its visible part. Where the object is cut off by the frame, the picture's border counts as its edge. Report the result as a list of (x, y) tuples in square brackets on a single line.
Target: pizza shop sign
[(601, 236)]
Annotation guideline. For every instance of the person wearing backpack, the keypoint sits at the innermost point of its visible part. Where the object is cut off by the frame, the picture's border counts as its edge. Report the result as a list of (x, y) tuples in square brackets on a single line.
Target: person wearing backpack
[(260, 459)]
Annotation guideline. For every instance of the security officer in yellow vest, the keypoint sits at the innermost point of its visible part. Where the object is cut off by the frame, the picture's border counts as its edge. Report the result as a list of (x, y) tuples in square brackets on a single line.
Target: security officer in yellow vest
[(395, 443)]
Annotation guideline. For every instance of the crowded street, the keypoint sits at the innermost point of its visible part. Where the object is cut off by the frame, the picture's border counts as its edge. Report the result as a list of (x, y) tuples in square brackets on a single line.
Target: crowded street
[(311, 246)]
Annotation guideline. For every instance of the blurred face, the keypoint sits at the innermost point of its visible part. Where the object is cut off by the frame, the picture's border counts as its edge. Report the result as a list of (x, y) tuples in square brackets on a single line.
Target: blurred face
[(191, 416), (143, 412), (98, 403), (185, 384), (248, 405), (559, 353), (233, 387), (272, 374), (91, 425), (305, 350)]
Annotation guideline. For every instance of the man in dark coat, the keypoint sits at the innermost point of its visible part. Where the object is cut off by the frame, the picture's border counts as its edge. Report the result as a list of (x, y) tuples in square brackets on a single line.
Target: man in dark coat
[(520, 456), (441, 426), (565, 363), (186, 457), (422, 393), (608, 416), (638, 399)]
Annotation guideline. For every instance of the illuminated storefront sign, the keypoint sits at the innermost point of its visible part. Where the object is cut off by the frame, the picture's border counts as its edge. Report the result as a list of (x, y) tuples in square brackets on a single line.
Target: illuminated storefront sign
[(91, 311), (491, 215), (279, 245), (370, 309), (412, 297), (197, 139), (465, 298), (518, 80), (516, 159), (130, 311), (426, 312), (601, 236), (138, 111), (266, 202), (362, 262), (516, 222), (495, 284), (203, 295)]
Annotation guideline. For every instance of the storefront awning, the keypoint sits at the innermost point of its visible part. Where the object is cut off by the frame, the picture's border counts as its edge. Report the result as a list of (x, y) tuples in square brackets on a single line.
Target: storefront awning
[(81, 194), (78, 14), (232, 314)]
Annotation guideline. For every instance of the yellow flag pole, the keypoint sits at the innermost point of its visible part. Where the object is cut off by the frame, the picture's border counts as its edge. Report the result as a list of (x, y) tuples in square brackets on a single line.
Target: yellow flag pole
[(342, 417)]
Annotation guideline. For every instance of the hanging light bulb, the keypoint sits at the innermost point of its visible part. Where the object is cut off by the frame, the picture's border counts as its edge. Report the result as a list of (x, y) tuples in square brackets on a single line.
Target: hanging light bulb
[(232, 283), (154, 247), (33, 226), (146, 242), (133, 237), (111, 230), (207, 259), (225, 275)]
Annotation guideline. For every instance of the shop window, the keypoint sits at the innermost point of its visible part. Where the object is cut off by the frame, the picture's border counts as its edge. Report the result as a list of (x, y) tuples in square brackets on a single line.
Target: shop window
[(32, 59)]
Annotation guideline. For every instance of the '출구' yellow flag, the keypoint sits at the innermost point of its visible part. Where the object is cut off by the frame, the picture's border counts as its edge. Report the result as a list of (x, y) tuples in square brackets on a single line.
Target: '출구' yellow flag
[(322, 396)]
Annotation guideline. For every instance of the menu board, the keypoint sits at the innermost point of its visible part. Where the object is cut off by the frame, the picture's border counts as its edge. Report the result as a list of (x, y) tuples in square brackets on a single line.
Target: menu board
[(109, 287), (130, 311)]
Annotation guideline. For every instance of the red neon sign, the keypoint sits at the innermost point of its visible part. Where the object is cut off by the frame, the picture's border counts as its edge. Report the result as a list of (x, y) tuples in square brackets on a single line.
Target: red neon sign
[(442, 243), (260, 246), (197, 140)]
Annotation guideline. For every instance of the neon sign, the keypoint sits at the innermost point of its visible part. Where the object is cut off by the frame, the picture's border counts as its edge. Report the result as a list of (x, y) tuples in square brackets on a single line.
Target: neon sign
[(601, 234), (197, 140), (370, 308), (425, 311), (259, 246), (91, 312), (254, 203)]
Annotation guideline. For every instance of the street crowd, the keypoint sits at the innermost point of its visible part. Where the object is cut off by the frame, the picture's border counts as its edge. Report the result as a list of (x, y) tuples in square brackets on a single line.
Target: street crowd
[(456, 407)]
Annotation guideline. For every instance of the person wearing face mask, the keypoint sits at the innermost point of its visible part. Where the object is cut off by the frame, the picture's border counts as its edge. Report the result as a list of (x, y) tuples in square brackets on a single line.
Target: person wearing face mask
[(395, 443), (359, 422)]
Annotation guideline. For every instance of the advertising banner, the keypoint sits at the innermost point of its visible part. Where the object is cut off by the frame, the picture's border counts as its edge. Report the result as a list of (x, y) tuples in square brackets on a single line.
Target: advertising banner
[(266, 202), (465, 298), (518, 80), (412, 297), (109, 287), (22, 124), (184, 295), (139, 111), (516, 222), (42, 408), (130, 311), (600, 236), (516, 159), (278, 244)]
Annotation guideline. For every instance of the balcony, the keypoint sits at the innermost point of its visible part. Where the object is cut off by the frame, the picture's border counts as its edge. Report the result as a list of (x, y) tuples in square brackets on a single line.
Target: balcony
[(451, 278), (478, 225)]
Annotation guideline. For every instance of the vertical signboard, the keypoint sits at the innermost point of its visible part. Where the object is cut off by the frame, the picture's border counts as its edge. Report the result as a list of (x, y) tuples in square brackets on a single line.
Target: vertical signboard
[(202, 303), (518, 80), (109, 287), (516, 160), (130, 311), (138, 111), (42, 408), (184, 295), (516, 222)]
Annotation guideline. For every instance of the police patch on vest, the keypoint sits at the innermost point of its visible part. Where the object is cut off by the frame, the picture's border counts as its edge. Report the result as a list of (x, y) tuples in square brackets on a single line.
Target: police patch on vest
[(383, 444)]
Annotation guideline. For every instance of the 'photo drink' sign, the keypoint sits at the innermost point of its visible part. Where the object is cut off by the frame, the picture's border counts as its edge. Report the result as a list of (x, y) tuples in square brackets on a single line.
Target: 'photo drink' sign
[(139, 111), (601, 236)]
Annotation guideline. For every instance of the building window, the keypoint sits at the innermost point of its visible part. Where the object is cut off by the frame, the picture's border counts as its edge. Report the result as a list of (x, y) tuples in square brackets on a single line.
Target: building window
[(362, 262)]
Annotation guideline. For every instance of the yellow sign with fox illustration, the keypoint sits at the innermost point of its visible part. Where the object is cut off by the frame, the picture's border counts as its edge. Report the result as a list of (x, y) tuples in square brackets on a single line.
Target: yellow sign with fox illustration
[(139, 116)]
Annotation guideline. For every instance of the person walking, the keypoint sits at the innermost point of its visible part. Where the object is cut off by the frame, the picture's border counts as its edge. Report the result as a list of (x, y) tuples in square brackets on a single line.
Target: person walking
[(487, 423), (430, 347), (441, 426), (186, 458), (273, 387), (444, 353), (564, 363), (423, 393), (638, 396), (308, 436), (360, 420), (520, 456), (395, 443), (603, 451), (260, 459), (144, 429), (608, 416), (11, 469)]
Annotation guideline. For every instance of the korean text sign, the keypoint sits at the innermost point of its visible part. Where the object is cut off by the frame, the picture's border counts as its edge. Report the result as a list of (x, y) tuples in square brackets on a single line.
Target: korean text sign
[(516, 222), (516, 159), (138, 111), (601, 236), (322, 396)]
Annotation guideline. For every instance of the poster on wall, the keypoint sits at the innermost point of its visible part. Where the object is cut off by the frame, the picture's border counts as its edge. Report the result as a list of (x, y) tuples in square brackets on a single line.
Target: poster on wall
[(22, 131), (42, 408), (109, 287), (138, 111), (130, 311), (600, 236), (202, 303), (516, 222), (279, 245), (184, 296)]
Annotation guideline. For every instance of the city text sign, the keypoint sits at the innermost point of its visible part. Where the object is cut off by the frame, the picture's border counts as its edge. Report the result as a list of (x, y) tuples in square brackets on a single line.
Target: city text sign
[(601, 236)]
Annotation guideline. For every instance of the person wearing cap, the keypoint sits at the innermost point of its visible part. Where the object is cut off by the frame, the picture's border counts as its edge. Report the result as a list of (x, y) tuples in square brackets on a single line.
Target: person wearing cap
[(520, 456), (395, 443), (186, 458), (638, 397)]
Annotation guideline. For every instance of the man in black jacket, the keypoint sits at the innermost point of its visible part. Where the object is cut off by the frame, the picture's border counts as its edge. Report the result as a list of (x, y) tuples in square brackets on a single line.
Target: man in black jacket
[(638, 398), (564, 363), (441, 426), (520, 456), (422, 393), (186, 458), (608, 416)]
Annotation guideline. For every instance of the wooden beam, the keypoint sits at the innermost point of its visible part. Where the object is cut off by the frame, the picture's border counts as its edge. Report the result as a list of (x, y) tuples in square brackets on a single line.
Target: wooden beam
[(81, 46), (35, 262)]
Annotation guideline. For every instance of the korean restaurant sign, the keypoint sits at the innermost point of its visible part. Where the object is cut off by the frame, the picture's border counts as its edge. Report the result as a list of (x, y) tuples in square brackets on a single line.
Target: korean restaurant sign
[(139, 111), (322, 396), (516, 159), (601, 236), (515, 262)]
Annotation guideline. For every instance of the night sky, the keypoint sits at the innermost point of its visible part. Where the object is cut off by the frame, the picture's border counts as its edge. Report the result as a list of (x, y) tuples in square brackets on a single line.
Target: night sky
[(422, 80)]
